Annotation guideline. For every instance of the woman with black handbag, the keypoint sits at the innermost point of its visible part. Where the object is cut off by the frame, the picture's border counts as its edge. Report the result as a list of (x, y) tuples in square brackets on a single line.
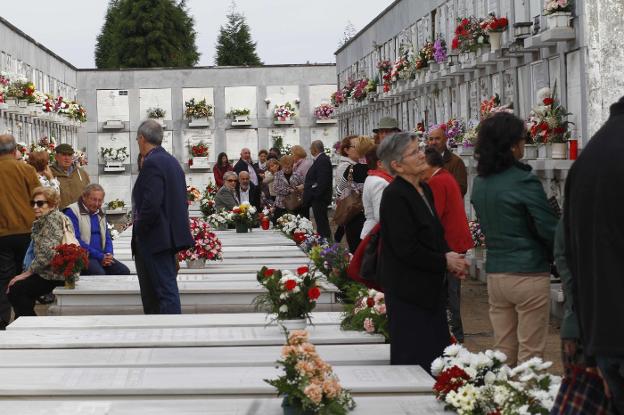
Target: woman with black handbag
[(285, 185)]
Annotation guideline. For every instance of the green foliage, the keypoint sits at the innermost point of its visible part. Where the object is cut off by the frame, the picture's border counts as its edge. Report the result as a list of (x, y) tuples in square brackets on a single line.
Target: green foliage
[(146, 34), (234, 44)]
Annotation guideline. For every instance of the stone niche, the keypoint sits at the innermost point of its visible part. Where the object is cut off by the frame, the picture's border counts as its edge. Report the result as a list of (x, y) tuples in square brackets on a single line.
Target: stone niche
[(113, 140), (155, 98), (280, 95), (237, 139), (112, 104), (241, 97), (290, 136)]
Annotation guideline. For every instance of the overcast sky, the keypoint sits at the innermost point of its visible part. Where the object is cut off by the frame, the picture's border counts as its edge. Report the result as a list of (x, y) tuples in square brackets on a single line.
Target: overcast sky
[(287, 31)]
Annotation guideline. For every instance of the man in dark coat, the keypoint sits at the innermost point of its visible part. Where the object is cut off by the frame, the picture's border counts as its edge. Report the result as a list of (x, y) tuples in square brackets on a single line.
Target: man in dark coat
[(161, 222), (594, 238), (317, 188), (245, 163)]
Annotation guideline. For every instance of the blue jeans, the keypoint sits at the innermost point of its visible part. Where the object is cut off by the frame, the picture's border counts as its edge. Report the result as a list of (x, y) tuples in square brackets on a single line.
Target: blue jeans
[(612, 369), (96, 268), (157, 275)]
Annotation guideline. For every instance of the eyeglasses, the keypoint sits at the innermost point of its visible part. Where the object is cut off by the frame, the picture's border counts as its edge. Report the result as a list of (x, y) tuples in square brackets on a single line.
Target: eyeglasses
[(38, 203), (230, 180)]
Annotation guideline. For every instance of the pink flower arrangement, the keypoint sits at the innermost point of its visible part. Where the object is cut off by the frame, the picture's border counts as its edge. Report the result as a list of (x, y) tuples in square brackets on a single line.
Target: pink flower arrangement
[(337, 98), (207, 245), (367, 313), (324, 111), (284, 112)]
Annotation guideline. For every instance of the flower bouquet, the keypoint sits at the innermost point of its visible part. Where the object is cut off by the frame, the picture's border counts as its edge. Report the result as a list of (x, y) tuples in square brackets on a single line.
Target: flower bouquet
[(80, 157), (197, 109), (547, 120), (283, 113), (494, 27), (557, 6), (207, 245), (324, 112), (207, 201), (192, 194), (480, 383), (295, 227), (244, 217), (45, 144), (199, 156), (218, 220), (308, 384), (337, 98), (156, 113), (367, 313), (115, 206), (385, 69), (477, 234), (333, 261), (361, 90), (68, 261), (289, 296), (22, 151), (114, 233), (469, 35), (455, 130), (114, 158)]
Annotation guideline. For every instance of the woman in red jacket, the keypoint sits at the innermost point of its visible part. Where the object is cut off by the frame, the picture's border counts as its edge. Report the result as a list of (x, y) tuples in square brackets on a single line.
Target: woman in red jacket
[(449, 206), (221, 166)]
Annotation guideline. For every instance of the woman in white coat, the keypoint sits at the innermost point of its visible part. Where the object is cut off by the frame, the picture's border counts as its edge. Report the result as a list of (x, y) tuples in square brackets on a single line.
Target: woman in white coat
[(374, 185)]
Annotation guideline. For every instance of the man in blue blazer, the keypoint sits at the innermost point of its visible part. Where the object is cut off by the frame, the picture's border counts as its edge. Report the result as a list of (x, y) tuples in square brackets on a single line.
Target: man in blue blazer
[(317, 188), (161, 222)]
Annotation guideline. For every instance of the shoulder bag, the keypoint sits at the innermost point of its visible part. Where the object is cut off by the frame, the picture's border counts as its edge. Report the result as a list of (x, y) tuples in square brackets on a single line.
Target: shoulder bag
[(69, 237), (350, 203)]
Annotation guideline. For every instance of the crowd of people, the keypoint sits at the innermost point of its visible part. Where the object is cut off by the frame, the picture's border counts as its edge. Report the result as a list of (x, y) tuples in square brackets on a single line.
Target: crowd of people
[(411, 190)]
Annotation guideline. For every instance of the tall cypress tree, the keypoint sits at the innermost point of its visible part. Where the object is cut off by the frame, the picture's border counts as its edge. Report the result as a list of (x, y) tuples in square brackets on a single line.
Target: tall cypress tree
[(146, 34), (234, 44)]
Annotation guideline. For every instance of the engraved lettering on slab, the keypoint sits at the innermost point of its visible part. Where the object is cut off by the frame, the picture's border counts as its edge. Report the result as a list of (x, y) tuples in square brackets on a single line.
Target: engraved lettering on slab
[(167, 142), (237, 139), (112, 105)]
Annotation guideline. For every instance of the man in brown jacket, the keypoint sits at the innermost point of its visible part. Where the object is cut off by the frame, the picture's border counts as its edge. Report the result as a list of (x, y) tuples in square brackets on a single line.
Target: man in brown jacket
[(452, 162), (17, 181), (73, 179)]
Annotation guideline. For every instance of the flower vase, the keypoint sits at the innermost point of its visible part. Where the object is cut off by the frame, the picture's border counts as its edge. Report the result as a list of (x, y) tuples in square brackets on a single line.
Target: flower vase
[(530, 152), (222, 227), (242, 228), (70, 282), (293, 409), (196, 263), (559, 151), (293, 324), (559, 19), (265, 224), (495, 41)]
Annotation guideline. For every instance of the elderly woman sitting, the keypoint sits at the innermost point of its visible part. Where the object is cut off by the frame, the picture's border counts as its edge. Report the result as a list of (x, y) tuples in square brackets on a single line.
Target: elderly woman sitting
[(414, 257), (47, 232), (226, 196)]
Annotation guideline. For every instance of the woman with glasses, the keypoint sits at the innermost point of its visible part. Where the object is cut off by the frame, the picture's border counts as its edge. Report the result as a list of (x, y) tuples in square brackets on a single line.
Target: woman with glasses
[(226, 198), (414, 257), (47, 232)]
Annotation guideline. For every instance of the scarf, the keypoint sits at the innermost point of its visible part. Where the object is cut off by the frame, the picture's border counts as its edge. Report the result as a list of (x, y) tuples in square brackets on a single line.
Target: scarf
[(381, 173)]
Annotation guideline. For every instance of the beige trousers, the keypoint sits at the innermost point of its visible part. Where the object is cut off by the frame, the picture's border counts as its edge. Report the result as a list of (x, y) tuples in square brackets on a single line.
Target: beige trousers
[(519, 312)]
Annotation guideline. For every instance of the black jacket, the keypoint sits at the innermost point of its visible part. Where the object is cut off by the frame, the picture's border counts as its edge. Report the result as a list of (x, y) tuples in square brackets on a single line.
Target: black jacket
[(159, 202), (317, 187), (241, 165), (594, 237), (254, 195), (413, 250)]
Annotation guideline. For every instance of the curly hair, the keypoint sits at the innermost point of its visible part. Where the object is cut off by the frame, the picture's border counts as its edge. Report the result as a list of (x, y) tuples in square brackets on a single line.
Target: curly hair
[(497, 135)]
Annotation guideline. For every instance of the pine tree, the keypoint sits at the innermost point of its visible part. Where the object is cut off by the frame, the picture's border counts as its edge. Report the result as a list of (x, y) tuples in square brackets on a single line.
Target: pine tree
[(234, 44), (146, 34)]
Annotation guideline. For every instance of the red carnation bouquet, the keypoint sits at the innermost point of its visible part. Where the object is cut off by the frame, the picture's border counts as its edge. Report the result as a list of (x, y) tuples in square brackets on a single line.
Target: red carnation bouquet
[(289, 295), (207, 245), (68, 261), (495, 24)]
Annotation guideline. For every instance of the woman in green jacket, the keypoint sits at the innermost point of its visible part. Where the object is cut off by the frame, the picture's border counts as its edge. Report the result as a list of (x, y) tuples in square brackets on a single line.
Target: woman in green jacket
[(519, 227)]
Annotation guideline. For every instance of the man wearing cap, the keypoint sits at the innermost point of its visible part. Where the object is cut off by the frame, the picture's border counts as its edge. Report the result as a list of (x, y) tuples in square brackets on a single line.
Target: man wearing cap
[(452, 162), (387, 126), (73, 179)]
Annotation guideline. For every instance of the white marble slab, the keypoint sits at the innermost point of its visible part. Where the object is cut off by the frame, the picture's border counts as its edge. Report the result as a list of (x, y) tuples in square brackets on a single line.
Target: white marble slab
[(340, 355), (232, 252), (173, 337), (159, 321), (294, 261), (266, 241), (366, 405), (191, 381), (206, 277), (219, 268)]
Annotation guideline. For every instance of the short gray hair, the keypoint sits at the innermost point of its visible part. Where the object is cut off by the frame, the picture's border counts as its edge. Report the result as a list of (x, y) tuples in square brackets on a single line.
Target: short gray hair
[(229, 174), (93, 187), (7, 144), (152, 131), (392, 149), (318, 146)]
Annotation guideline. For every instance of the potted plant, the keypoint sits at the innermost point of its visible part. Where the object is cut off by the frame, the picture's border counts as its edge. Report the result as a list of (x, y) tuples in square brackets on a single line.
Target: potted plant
[(558, 13), (324, 114), (244, 217), (197, 112), (114, 158), (158, 114), (199, 156), (308, 384), (548, 125), (239, 116), (283, 114), (494, 27), (366, 313), (115, 207), (207, 246), (290, 296), (68, 261), (207, 202)]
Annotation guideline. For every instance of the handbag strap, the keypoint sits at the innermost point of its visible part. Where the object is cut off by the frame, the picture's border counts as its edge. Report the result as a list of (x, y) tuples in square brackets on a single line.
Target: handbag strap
[(350, 175)]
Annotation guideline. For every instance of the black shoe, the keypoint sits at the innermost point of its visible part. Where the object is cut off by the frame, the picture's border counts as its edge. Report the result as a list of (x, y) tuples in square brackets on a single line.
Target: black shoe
[(46, 299)]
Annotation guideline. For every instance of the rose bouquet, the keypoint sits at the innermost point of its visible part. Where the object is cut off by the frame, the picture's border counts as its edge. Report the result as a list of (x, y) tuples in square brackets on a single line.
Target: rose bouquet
[(480, 383), (284, 112), (367, 313), (207, 201), (385, 68), (469, 34), (207, 245), (548, 120), (361, 90), (424, 56), (192, 194), (68, 261), (495, 24), (45, 144), (308, 383), (199, 150), (288, 295), (324, 112), (295, 227), (557, 6)]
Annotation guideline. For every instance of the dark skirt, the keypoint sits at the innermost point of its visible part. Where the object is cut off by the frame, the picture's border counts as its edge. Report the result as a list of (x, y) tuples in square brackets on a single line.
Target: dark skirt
[(417, 335)]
